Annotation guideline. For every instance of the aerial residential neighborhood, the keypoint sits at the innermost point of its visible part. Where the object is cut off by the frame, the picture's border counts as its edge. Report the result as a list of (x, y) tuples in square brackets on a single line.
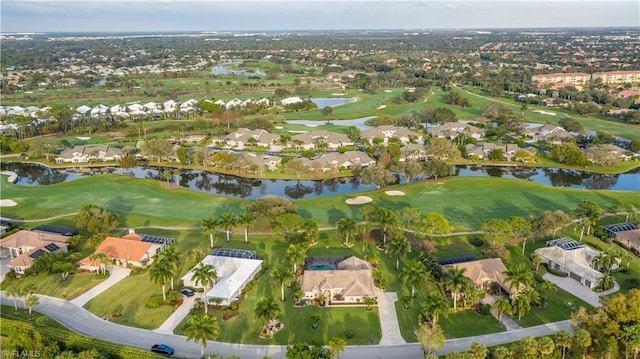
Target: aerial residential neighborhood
[(370, 182)]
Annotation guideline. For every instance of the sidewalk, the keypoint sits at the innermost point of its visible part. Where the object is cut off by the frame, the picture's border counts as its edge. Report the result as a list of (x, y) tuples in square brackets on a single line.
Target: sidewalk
[(116, 274), (178, 315), (388, 318)]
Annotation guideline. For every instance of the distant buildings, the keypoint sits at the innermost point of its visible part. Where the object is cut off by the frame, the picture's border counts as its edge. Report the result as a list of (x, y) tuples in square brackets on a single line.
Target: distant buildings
[(582, 78)]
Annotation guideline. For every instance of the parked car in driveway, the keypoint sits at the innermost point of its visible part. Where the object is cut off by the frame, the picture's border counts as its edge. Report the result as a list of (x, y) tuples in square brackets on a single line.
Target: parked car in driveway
[(187, 291), (162, 349)]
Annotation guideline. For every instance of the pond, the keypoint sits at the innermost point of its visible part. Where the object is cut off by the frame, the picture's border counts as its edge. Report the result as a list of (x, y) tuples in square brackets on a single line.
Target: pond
[(221, 70), (232, 186), (357, 122), (323, 102)]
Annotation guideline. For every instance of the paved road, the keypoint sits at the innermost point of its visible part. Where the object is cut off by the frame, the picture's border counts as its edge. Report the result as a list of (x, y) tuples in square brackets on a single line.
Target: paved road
[(116, 274), (84, 322)]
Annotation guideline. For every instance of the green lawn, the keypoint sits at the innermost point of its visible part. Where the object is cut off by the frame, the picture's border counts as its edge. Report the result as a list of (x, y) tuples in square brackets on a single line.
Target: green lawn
[(51, 284), (8, 312), (560, 306), (469, 323), (129, 297)]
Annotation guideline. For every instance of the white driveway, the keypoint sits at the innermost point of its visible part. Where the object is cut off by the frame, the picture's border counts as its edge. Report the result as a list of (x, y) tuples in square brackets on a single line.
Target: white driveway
[(116, 274), (178, 315), (388, 318), (572, 286), (4, 267)]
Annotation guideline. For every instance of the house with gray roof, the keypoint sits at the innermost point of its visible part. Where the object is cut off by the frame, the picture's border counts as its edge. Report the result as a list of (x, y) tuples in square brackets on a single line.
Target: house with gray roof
[(550, 133), (84, 154), (388, 132), (452, 129)]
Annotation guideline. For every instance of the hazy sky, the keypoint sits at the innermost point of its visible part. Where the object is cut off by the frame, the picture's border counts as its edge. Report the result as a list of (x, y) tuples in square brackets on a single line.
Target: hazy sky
[(214, 15)]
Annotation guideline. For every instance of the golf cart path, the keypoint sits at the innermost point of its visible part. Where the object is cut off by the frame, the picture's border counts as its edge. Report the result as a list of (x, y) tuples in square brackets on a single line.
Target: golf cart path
[(82, 321)]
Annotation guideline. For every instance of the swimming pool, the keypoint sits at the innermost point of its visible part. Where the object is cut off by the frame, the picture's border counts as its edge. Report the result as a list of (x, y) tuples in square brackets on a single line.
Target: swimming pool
[(321, 267)]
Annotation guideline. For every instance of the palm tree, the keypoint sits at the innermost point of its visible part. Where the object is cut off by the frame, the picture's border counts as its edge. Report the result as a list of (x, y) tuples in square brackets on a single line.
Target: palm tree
[(315, 320), (102, 260), (283, 276), (296, 254), (369, 302), (435, 305), (245, 219), (210, 225), (454, 280), (173, 259), (413, 274), (160, 272), (536, 259), (14, 292), (266, 309), (582, 339), (202, 328), (31, 301), (387, 220), (518, 276), (196, 255), (531, 295), (521, 305), (227, 222), (606, 281), (398, 248), (563, 339), (547, 287), (347, 227), (479, 350), (205, 275), (336, 346), (502, 306)]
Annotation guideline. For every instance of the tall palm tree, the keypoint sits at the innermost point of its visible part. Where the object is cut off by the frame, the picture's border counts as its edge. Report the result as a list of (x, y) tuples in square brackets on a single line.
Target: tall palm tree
[(14, 292), (102, 260), (336, 346), (31, 301), (347, 227), (413, 274), (518, 276), (399, 247), (210, 225), (387, 220), (205, 275), (161, 272), (202, 328), (521, 305), (296, 255), (173, 258), (196, 255), (455, 280), (563, 339), (547, 288), (245, 219), (502, 306), (284, 276), (606, 281), (536, 259), (266, 309), (227, 222), (435, 305)]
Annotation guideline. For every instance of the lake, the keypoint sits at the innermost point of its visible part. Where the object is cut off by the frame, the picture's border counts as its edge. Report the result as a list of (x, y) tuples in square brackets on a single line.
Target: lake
[(232, 186), (356, 122), (323, 102)]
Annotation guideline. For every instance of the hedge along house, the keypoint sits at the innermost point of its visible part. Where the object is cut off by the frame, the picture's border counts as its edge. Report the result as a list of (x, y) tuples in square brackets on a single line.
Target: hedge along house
[(577, 260), (234, 273)]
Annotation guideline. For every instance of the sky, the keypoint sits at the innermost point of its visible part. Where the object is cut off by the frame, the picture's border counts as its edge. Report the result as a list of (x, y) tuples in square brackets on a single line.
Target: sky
[(255, 15)]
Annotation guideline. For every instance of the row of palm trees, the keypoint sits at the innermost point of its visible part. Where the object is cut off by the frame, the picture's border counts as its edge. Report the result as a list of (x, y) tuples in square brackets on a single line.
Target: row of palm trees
[(227, 222), (27, 292)]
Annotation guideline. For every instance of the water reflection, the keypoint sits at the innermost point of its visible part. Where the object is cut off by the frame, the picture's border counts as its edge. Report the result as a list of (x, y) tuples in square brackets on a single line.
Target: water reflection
[(226, 185)]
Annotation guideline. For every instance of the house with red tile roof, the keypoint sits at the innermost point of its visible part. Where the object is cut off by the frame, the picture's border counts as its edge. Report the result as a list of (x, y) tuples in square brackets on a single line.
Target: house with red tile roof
[(128, 250), (24, 247)]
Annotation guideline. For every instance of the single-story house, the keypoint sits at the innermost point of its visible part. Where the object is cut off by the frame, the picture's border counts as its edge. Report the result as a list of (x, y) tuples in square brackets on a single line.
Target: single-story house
[(347, 160), (630, 239), (483, 272), (575, 259), (350, 282), (24, 247), (482, 150), (453, 129), (388, 132), (128, 250), (549, 133), (332, 140), (233, 275), (83, 154)]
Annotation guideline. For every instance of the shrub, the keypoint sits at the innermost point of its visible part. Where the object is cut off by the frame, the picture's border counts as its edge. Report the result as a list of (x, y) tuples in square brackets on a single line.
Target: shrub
[(348, 335), (476, 242), (43, 321), (485, 309), (632, 283), (137, 271), (557, 272), (154, 302)]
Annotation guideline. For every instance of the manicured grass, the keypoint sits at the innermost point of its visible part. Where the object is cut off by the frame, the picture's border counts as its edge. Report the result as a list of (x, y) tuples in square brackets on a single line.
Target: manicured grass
[(8, 312), (469, 323), (129, 297), (51, 284), (559, 307)]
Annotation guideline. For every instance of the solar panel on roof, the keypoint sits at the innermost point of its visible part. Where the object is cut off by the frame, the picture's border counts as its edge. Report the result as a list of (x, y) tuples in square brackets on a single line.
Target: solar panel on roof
[(51, 247), (37, 254), (163, 241), (234, 253), (459, 258)]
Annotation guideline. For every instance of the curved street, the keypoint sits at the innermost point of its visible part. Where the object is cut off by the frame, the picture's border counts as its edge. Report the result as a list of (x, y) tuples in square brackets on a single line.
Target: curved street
[(82, 321)]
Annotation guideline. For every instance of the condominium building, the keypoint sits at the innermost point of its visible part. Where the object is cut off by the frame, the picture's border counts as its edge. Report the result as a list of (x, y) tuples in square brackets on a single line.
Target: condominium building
[(574, 78), (617, 77)]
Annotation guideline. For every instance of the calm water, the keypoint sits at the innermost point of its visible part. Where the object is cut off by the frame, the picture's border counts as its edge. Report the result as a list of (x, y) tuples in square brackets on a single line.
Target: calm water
[(232, 186), (322, 102), (357, 122)]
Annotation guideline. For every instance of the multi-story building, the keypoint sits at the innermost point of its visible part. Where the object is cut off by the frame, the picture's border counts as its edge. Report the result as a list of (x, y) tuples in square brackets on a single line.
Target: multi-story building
[(617, 77), (574, 78)]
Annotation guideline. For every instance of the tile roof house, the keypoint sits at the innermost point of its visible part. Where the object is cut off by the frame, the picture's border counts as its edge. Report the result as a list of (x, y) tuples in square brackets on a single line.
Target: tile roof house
[(233, 275), (413, 152), (482, 150), (609, 153), (483, 272), (453, 129), (630, 239), (550, 133), (83, 154), (388, 132), (568, 256), (348, 160), (24, 247), (331, 139), (244, 136), (350, 282), (130, 249)]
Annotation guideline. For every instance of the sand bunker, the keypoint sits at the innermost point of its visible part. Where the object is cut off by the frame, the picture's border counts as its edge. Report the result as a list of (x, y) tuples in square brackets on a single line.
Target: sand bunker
[(545, 112), (279, 127), (84, 138), (394, 193), (381, 107), (359, 200), (338, 94), (7, 203)]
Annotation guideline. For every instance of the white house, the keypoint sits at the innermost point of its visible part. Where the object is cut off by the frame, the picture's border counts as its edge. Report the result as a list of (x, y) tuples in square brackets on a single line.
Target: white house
[(291, 100), (233, 275)]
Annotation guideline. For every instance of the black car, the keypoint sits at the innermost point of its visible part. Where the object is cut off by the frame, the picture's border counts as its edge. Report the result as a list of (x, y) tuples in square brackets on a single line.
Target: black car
[(162, 349), (187, 291)]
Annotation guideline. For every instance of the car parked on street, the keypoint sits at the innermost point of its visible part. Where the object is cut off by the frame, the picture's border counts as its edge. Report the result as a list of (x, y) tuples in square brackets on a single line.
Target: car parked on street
[(162, 349)]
